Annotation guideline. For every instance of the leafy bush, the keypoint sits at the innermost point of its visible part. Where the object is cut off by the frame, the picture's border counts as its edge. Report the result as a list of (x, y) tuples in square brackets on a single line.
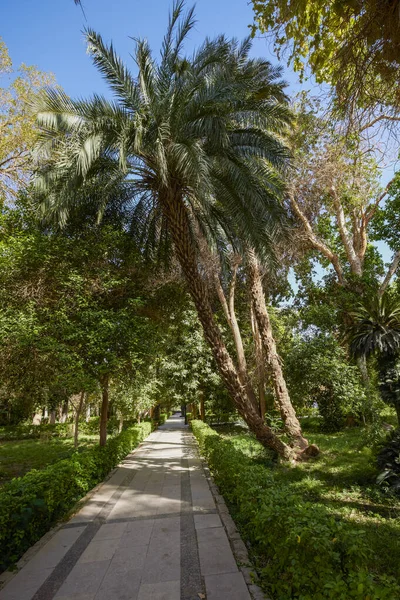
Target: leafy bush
[(389, 461), (30, 505), (307, 552), (92, 427), (318, 373)]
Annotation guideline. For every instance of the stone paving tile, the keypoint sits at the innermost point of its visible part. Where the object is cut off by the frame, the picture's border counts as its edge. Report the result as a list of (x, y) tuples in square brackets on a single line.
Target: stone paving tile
[(99, 550), (85, 578), (132, 557), (167, 590), (163, 560), (56, 548), (25, 584), (110, 531), (122, 582), (137, 533), (230, 586), (215, 552), (206, 521)]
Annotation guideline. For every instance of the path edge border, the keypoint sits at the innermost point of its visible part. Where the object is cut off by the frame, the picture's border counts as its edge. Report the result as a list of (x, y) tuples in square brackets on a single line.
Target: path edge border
[(238, 546)]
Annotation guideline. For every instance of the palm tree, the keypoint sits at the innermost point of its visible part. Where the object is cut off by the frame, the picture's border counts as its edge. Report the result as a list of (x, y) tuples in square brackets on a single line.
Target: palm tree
[(189, 141), (376, 330)]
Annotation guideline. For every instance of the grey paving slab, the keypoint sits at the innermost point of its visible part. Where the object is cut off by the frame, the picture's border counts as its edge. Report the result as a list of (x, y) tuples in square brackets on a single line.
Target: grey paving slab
[(25, 584), (99, 550), (121, 582), (226, 587), (215, 552), (85, 578), (167, 590), (206, 521)]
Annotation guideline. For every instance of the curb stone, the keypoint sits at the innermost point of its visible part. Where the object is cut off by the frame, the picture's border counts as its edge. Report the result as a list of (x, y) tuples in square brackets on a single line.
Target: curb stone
[(238, 546)]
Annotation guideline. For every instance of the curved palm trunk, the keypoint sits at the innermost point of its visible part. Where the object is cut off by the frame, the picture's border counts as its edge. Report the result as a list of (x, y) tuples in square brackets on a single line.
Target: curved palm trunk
[(288, 414), (180, 230)]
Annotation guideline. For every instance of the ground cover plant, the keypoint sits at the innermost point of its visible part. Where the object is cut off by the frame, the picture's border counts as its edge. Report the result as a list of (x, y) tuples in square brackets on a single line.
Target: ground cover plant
[(20, 456), (317, 530)]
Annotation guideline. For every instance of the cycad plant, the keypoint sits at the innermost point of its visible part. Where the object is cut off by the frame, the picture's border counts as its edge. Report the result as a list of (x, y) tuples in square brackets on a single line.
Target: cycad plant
[(376, 330), (189, 146)]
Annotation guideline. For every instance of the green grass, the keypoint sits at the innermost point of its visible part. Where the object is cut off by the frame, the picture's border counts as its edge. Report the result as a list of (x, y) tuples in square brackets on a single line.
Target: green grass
[(20, 456), (343, 478)]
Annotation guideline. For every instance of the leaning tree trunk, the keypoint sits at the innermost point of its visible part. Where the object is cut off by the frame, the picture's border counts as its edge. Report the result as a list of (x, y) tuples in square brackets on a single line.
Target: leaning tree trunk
[(104, 409), (181, 235), (260, 364), (287, 411)]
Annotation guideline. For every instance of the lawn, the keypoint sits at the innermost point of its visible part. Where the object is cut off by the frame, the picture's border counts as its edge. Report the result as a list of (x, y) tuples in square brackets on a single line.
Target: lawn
[(343, 478), (20, 456)]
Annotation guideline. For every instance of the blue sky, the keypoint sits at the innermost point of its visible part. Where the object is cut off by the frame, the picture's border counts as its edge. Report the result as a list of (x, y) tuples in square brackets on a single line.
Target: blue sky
[(48, 33)]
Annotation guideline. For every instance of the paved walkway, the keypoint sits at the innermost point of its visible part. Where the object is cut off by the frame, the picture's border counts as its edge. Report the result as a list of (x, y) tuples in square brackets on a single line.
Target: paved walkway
[(150, 532)]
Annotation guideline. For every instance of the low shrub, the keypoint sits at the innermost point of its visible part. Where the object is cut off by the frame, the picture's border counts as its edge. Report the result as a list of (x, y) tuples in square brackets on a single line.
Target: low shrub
[(389, 462), (92, 426), (307, 552), (30, 505)]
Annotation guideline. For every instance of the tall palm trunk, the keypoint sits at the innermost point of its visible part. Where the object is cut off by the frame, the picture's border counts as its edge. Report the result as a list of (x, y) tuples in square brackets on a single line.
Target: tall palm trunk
[(180, 230), (288, 414)]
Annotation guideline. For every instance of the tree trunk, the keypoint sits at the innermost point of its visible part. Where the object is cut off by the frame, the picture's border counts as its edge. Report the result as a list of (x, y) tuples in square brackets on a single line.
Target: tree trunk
[(397, 409), (260, 364), (202, 407), (181, 234), (52, 417), (37, 418), (230, 315), (87, 413), (77, 415), (64, 412), (104, 409), (288, 414)]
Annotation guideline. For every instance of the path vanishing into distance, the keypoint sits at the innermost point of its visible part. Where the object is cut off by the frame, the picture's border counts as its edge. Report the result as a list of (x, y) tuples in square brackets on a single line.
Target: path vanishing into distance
[(152, 531)]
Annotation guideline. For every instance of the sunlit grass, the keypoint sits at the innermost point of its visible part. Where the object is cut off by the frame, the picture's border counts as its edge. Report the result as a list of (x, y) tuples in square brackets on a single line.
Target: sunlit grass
[(20, 456)]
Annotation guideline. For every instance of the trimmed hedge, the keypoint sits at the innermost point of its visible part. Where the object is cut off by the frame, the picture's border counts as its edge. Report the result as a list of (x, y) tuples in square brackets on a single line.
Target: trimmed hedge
[(308, 553), (30, 505)]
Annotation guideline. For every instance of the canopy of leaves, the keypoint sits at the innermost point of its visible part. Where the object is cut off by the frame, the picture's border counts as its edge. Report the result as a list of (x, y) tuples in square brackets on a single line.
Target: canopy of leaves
[(17, 123), (354, 46)]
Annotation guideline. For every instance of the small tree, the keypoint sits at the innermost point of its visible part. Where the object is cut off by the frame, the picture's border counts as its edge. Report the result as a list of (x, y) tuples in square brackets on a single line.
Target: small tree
[(376, 330)]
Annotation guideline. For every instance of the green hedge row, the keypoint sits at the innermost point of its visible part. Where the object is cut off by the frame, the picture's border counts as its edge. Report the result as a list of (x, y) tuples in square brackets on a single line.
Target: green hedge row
[(308, 553), (30, 505)]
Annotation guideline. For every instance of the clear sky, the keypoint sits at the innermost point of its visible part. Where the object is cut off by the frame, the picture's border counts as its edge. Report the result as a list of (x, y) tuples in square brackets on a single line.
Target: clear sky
[(48, 33)]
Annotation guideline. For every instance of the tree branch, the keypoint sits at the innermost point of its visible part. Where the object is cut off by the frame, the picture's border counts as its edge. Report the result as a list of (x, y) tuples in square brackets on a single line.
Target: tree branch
[(377, 119), (316, 242), (354, 260), (390, 272)]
